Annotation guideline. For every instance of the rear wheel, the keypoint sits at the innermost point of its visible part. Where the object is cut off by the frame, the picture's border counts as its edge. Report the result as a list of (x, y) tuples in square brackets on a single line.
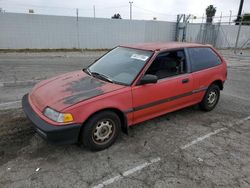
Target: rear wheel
[(211, 98), (101, 130)]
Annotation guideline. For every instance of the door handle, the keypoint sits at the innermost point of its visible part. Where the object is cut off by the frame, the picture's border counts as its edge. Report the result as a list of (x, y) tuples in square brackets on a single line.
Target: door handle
[(186, 80)]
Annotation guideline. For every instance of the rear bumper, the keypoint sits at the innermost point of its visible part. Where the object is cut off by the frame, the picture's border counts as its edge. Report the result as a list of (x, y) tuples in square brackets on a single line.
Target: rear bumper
[(67, 134)]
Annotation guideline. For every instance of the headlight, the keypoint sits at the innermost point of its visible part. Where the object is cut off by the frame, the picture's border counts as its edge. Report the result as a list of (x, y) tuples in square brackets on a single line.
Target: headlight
[(57, 116)]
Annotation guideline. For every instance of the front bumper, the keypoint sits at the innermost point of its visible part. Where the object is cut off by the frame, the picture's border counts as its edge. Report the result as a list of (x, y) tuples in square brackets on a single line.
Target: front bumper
[(67, 134)]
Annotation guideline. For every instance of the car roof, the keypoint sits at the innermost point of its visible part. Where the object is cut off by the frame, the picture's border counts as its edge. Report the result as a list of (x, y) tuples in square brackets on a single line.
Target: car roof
[(159, 46)]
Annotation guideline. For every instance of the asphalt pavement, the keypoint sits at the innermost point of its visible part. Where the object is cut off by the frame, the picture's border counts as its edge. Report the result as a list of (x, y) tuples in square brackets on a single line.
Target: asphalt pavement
[(186, 148)]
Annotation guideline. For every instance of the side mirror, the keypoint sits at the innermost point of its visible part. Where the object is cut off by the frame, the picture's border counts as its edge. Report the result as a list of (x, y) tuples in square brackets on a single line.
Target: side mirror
[(148, 79)]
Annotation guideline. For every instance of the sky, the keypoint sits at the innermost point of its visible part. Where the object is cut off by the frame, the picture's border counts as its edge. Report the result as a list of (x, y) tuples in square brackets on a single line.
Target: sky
[(141, 9)]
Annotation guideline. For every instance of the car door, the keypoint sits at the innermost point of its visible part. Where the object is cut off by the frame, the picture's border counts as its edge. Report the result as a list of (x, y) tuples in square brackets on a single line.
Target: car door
[(205, 67), (170, 93)]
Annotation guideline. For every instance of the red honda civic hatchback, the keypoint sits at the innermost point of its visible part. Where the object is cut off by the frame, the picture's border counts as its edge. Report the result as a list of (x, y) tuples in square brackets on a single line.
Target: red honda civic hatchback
[(128, 85)]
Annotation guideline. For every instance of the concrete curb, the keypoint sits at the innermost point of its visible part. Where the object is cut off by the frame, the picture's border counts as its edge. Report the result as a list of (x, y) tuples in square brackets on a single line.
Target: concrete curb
[(19, 83), (11, 105)]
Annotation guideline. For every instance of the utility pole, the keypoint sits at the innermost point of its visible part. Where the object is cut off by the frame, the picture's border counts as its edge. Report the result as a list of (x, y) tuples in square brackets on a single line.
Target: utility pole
[(130, 2), (94, 10), (220, 17), (239, 13), (202, 18), (77, 30), (77, 14), (230, 16)]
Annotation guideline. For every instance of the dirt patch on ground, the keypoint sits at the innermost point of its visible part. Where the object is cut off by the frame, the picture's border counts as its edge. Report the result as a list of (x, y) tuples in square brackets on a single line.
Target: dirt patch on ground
[(15, 133)]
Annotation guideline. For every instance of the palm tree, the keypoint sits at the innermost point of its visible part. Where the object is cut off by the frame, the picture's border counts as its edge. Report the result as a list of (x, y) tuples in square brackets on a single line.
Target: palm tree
[(210, 12)]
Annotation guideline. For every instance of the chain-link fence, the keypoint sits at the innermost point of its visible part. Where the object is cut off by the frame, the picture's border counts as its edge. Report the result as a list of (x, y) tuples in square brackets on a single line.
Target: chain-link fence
[(223, 35)]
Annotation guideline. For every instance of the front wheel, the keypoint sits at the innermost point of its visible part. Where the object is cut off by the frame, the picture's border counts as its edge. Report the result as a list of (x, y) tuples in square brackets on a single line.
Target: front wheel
[(101, 130), (211, 98)]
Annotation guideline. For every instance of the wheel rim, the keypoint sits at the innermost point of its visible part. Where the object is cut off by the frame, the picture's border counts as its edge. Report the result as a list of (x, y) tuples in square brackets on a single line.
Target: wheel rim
[(103, 131), (212, 98)]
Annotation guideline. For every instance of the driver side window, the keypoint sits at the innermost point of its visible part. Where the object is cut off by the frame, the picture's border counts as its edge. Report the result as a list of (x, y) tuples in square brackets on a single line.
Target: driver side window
[(168, 64)]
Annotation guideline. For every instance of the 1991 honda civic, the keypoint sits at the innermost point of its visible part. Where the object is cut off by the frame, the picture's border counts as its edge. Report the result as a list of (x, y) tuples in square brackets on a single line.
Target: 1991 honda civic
[(128, 85)]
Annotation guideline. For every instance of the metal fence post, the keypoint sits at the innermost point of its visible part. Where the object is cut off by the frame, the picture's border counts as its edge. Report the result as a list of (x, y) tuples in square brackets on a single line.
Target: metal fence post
[(237, 38), (177, 28), (216, 32)]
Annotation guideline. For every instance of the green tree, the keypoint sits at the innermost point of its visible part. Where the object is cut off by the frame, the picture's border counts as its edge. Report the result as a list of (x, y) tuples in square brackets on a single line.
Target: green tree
[(210, 12), (116, 16)]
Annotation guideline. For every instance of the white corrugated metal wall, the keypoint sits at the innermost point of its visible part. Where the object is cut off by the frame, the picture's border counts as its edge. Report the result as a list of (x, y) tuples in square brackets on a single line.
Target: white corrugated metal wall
[(20, 31), (42, 31)]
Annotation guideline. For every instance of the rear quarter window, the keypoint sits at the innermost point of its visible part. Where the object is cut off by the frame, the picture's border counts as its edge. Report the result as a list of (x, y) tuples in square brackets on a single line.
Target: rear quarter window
[(203, 58)]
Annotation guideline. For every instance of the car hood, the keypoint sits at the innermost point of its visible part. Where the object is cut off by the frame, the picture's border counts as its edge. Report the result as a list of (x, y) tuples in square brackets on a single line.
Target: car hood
[(68, 89)]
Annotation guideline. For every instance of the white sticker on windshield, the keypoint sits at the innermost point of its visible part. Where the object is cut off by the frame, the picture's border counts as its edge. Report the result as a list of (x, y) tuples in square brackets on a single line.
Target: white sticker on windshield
[(139, 57)]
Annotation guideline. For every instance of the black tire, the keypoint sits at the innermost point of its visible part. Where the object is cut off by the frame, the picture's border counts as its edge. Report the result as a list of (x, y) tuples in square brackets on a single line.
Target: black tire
[(101, 130), (211, 98)]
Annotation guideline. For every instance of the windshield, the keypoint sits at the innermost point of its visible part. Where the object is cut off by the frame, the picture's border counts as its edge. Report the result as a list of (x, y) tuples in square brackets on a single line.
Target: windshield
[(121, 65)]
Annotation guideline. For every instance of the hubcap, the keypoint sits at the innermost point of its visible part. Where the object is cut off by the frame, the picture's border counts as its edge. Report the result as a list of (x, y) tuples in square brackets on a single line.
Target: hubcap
[(212, 97), (103, 131)]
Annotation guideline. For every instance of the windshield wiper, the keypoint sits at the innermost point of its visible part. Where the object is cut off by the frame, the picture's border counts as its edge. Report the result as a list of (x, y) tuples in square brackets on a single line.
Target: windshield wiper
[(101, 76), (88, 71)]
